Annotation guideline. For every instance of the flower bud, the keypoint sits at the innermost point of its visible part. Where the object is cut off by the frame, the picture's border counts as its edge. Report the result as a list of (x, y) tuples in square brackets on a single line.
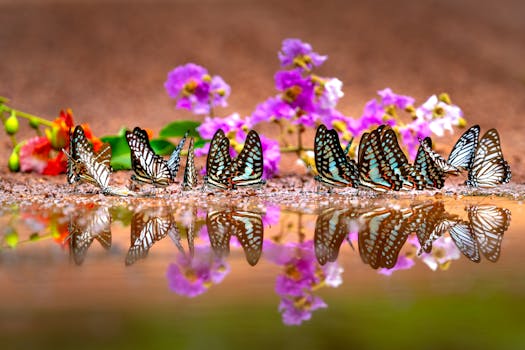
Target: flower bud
[(14, 162), (11, 238), (11, 124), (34, 123), (57, 137), (444, 97)]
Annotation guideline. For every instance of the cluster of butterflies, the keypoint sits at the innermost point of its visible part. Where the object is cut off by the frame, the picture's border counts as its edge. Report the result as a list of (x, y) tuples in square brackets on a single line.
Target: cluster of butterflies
[(383, 232), (382, 165), (151, 225), (150, 168)]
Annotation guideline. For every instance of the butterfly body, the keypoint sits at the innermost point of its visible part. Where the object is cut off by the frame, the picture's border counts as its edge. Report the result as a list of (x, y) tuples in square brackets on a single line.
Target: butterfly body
[(190, 173)]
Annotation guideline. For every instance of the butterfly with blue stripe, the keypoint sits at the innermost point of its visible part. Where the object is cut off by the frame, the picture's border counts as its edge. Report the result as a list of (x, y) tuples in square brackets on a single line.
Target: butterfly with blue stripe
[(333, 167)]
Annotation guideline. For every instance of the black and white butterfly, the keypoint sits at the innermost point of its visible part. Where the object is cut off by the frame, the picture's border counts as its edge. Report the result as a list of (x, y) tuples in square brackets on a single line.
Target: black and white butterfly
[(246, 226), (333, 166), (374, 171), (433, 176), (331, 228), (174, 160), (148, 167), (462, 154), (489, 168), (147, 228), (85, 229), (83, 165), (382, 236), (190, 173), (488, 224), (245, 170)]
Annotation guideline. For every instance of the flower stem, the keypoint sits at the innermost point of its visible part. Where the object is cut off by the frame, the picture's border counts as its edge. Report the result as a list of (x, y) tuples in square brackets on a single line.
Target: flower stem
[(26, 115)]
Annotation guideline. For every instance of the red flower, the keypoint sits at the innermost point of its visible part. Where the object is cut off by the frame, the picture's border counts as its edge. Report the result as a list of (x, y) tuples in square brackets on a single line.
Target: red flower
[(34, 154)]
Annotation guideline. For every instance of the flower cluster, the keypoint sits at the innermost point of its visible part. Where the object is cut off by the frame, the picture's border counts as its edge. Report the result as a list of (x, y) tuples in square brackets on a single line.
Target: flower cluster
[(196, 90), (43, 153), (193, 276), (301, 276)]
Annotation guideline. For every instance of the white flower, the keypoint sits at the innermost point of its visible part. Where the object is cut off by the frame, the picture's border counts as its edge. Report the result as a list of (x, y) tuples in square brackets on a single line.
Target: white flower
[(333, 91), (439, 115), (333, 274), (443, 250)]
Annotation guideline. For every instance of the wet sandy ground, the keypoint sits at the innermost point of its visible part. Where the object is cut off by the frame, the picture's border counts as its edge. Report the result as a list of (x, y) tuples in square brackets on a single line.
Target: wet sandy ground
[(108, 60)]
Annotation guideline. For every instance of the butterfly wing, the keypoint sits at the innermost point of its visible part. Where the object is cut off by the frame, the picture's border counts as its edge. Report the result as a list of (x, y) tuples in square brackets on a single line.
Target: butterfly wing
[(462, 154), (440, 162), (174, 160), (146, 229), (220, 229), (331, 162), (489, 223), (148, 166), (398, 162), (248, 166), (433, 176), (489, 168), (374, 171), (461, 234), (190, 173), (331, 228), (250, 233), (219, 162)]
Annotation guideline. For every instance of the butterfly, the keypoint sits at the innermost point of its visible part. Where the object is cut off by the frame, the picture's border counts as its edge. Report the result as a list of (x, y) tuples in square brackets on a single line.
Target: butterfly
[(333, 167), (382, 237), (218, 162), (331, 228), (83, 231), (247, 167), (83, 165), (488, 169), (245, 170), (488, 224), (190, 173), (398, 162), (462, 154), (374, 170), (174, 160), (246, 226), (147, 228), (148, 166), (433, 176)]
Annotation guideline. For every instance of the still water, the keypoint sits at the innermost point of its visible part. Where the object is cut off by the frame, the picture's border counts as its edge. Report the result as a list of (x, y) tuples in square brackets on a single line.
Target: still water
[(417, 273)]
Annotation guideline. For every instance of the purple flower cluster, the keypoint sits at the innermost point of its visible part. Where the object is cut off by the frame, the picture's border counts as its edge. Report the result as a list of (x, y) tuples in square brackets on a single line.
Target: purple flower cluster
[(193, 276), (196, 90), (306, 99), (301, 276), (303, 98)]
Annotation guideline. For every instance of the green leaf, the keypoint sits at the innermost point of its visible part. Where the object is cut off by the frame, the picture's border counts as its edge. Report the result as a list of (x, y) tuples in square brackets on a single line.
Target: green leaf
[(162, 147), (178, 128), (118, 144), (121, 161), (199, 143)]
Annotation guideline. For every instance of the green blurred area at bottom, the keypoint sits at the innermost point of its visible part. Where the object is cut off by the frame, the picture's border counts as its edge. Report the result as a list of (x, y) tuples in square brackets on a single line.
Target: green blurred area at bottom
[(448, 322)]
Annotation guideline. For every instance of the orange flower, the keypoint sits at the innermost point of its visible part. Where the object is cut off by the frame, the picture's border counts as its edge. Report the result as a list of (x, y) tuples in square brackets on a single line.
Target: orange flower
[(97, 143), (59, 133)]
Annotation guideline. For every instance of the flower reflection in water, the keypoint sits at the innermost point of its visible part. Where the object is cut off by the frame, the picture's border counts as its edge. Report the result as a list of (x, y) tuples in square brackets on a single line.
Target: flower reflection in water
[(302, 275), (191, 277)]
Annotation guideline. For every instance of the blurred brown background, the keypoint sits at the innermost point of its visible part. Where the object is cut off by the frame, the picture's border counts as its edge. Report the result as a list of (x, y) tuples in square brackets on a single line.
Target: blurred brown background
[(108, 60)]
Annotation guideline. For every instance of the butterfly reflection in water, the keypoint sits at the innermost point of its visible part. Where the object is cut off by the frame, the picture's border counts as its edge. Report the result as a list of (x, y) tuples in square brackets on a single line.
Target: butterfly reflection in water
[(83, 229), (246, 226), (382, 232)]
